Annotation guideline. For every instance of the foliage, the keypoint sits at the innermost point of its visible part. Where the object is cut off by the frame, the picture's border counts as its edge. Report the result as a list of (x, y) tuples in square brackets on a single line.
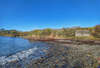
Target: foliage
[(96, 32), (54, 33), (12, 33), (47, 31), (36, 32)]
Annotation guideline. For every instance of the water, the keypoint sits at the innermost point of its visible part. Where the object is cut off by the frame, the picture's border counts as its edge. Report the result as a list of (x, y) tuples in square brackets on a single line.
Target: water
[(12, 49)]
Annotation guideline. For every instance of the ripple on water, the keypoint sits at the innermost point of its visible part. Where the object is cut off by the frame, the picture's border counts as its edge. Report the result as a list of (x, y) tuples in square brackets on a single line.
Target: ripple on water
[(15, 49)]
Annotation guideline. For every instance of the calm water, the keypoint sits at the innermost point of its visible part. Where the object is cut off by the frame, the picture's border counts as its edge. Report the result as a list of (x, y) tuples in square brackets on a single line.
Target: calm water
[(11, 45)]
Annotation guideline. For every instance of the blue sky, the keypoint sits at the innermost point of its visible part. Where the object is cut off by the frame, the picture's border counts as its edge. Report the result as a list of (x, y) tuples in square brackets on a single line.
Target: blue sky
[(27, 15)]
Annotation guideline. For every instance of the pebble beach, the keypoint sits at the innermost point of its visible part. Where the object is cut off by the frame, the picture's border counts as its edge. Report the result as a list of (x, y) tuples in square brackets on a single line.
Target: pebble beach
[(61, 55)]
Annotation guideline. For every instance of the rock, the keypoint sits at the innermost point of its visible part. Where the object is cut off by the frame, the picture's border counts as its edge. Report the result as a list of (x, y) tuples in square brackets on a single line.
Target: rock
[(3, 60)]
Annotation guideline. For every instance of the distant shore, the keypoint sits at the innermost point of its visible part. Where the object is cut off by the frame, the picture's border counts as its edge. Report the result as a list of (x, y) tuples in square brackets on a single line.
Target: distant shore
[(67, 41)]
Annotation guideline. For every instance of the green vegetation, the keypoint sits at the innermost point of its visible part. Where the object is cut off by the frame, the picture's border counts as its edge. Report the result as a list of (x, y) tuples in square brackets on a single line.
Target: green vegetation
[(11, 33), (96, 32), (64, 33)]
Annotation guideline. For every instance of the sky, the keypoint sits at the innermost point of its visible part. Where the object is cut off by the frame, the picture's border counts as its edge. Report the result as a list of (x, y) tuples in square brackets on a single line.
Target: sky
[(26, 15)]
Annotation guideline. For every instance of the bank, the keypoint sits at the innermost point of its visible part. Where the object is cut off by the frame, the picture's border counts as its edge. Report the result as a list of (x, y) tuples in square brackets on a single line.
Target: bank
[(63, 55)]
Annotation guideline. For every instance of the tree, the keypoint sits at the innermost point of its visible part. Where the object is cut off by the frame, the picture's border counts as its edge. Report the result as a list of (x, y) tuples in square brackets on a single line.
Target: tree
[(68, 32), (97, 31), (36, 32), (47, 31)]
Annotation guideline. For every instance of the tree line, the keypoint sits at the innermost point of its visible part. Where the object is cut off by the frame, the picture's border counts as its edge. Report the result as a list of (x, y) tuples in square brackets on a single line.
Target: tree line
[(51, 33)]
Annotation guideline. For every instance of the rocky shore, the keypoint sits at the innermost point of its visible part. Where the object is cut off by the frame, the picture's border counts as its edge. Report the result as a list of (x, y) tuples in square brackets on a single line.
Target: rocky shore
[(64, 56), (71, 56), (67, 41)]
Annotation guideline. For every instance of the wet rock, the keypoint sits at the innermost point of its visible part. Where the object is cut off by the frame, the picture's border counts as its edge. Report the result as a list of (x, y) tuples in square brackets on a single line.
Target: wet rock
[(62, 56)]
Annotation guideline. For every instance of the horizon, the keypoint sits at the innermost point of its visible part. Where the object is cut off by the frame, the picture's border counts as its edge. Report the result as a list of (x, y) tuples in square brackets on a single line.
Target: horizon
[(50, 28), (27, 15)]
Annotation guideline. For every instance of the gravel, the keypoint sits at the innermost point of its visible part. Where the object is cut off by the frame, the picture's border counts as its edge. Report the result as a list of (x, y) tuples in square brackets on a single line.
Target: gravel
[(63, 56)]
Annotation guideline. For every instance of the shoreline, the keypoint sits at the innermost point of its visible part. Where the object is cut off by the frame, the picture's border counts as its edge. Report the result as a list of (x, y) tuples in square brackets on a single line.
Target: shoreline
[(17, 56), (22, 57), (68, 41), (71, 56), (63, 54), (66, 56)]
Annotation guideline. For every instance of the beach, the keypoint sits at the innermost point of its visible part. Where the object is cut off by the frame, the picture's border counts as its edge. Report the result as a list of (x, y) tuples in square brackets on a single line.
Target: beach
[(71, 56), (61, 55)]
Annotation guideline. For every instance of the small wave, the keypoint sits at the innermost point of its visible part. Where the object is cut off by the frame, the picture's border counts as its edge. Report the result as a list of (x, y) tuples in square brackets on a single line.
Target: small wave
[(18, 56)]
